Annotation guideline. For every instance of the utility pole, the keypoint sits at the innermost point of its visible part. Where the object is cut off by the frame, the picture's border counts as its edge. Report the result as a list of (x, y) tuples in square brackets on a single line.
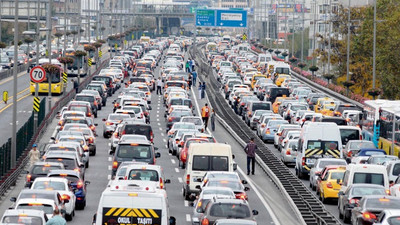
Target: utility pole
[(79, 41), (329, 38), (348, 47), (15, 85), (315, 29), (49, 47), (286, 30), (374, 56), (293, 34), (302, 33), (65, 29), (35, 115)]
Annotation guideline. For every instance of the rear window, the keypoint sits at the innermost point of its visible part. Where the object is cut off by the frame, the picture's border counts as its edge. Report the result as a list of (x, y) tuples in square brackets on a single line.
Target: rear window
[(394, 220), (230, 210), (41, 170), (69, 164), (134, 151), (105, 79), (264, 106), (396, 169), (349, 134), (146, 175), (338, 121), (71, 178), (368, 178), (46, 185), (210, 163), (138, 129), (361, 191), (383, 203), (47, 209), (23, 219), (196, 121)]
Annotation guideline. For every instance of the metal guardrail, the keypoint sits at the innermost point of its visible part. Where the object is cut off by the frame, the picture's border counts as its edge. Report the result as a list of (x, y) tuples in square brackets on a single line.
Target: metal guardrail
[(11, 176), (312, 210), (9, 72)]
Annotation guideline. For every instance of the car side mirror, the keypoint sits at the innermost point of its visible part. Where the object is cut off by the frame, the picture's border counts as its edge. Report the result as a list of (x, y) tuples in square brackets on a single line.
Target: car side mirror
[(338, 181), (255, 212), (167, 181), (150, 107), (198, 187), (63, 210), (104, 119), (172, 220), (87, 182), (155, 148), (66, 201), (82, 166), (246, 189), (158, 155), (52, 138), (348, 160), (244, 182), (96, 124), (199, 179), (179, 145), (233, 156), (341, 193), (25, 172), (235, 166), (13, 199)]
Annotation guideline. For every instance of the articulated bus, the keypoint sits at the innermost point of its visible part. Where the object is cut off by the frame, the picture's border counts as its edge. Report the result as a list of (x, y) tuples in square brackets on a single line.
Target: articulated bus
[(389, 129), (377, 123), (57, 84), (72, 69)]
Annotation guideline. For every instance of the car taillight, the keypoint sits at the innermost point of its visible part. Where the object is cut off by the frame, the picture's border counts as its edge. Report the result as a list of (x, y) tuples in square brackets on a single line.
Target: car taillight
[(92, 127), (116, 134), (188, 179), (77, 170), (288, 152), (89, 114), (161, 183), (353, 201), (109, 123), (28, 178), (349, 154), (303, 161), (79, 185), (369, 216), (184, 155), (115, 165), (60, 123), (151, 136), (263, 125), (387, 191), (250, 114), (91, 140), (242, 196), (62, 127), (65, 197), (205, 222), (329, 185), (267, 131), (141, 115), (116, 105), (170, 119)]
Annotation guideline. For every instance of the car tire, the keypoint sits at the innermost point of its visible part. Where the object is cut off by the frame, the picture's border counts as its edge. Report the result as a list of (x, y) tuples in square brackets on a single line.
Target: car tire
[(105, 135), (94, 152), (68, 217), (87, 164), (340, 214)]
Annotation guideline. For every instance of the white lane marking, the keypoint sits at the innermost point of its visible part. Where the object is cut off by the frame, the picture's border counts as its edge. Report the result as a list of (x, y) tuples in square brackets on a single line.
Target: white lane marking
[(173, 161), (160, 128), (159, 124), (186, 203), (158, 119), (158, 112), (265, 203), (162, 134), (164, 140), (109, 159), (180, 180), (177, 170), (109, 177), (188, 218), (158, 115), (109, 168)]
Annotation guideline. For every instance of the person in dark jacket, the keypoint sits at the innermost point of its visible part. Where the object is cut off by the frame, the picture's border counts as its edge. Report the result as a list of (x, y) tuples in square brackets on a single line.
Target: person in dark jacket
[(250, 150), (76, 86), (203, 90)]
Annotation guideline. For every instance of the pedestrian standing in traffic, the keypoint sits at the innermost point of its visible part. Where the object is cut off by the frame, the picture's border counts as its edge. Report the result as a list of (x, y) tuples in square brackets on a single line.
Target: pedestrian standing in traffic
[(190, 65), (57, 219), (212, 120), (34, 155), (203, 90), (76, 86), (187, 66), (199, 89), (205, 114), (159, 85), (194, 75), (250, 150), (193, 65), (190, 80)]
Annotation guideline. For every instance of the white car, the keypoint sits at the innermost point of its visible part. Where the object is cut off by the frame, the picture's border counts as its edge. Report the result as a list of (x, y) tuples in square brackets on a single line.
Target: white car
[(62, 186), (388, 217), (42, 204), (24, 216)]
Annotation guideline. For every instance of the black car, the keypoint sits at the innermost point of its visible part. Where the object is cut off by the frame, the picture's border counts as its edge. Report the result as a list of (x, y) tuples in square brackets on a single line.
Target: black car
[(109, 83), (136, 127), (369, 208), (41, 169), (275, 92), (349, 199)]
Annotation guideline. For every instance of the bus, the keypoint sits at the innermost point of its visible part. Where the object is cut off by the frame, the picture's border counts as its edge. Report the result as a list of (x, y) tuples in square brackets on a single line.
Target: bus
[(389, 133), (57, 84), (72, 69), (144, 39)]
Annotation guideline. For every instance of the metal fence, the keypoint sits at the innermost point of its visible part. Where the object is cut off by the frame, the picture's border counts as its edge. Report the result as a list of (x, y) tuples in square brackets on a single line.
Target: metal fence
[(24, 136)]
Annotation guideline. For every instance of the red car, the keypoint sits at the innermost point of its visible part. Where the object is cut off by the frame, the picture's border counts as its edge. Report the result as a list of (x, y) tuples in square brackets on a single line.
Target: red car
[(184, 152)]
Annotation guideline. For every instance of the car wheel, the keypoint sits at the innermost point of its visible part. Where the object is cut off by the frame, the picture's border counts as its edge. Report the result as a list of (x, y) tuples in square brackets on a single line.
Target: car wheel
[(105, 135), (340, 214), (322, 197), (68, 217), (87, 164)]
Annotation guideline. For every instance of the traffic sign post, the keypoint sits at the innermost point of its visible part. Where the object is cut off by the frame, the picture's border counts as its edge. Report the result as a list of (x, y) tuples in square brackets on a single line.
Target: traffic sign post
[(37, 74), (205, 17), (231, 18)]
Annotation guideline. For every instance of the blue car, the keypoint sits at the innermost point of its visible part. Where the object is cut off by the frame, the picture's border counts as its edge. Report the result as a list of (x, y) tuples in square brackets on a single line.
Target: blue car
[(77, 183), (268, 133), (370, 151)]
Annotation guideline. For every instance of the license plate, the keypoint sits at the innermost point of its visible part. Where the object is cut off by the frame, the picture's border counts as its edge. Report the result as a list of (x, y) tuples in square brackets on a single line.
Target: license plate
[(310, 161)]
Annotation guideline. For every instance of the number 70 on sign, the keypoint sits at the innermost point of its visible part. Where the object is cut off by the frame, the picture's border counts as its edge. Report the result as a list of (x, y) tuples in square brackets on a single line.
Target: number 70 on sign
[(37, 74)]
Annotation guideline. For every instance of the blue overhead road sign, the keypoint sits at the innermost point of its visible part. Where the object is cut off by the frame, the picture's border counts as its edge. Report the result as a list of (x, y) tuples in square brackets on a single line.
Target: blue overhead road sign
[(231, 18), (205, 17)]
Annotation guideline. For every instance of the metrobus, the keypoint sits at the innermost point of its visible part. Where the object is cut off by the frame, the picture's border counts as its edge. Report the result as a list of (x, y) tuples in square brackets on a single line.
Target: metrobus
[(72, 69), (371, 123), (389, 133), (57, 84)]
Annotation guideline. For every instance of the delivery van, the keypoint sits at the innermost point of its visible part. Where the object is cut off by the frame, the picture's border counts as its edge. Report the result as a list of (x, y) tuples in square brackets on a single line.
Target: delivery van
[(317, 140), (124, 202), (202, 158), (365, 174)]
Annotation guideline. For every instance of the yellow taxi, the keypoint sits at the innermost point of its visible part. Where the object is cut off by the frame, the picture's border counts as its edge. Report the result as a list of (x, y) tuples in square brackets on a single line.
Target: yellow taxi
[(278, 102), (255, 78), (328, 108), (320, 103), (281, 77), (330, 185)]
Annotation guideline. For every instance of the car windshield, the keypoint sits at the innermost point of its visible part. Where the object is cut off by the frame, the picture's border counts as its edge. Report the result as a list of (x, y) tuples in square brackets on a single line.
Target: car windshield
[(85, 98), (324, 163), (68, 163), (337, 175), (70, 178), (368, 178), (146, 175), (228, 210), (134, 151), (362, 191), (118, 117), (210, 163), (49, 185), (382, 159), (47, 209), (43, 169), (382, 203), (224, 183)]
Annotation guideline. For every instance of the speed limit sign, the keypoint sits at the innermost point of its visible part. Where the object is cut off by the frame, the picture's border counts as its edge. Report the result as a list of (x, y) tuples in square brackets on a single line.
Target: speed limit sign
[(37, 74)]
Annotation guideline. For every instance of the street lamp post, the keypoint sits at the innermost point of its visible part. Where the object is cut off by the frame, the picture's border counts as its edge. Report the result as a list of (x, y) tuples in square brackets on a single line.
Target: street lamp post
[(15, 86), (374, 52), (49, 7), (348, 48)]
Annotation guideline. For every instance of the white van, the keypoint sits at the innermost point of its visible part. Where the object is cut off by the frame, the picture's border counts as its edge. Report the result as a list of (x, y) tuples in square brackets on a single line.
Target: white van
[(264, 58), (124, 202), (349, 133), (365, 174), (317, 140), (202, 158), (282, 68)]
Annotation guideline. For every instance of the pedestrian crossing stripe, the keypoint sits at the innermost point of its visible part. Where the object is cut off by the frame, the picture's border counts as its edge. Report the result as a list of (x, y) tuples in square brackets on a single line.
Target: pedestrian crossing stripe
[(100, 53), (89, 62), (65, 77), (36, 104), (132, 212)]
